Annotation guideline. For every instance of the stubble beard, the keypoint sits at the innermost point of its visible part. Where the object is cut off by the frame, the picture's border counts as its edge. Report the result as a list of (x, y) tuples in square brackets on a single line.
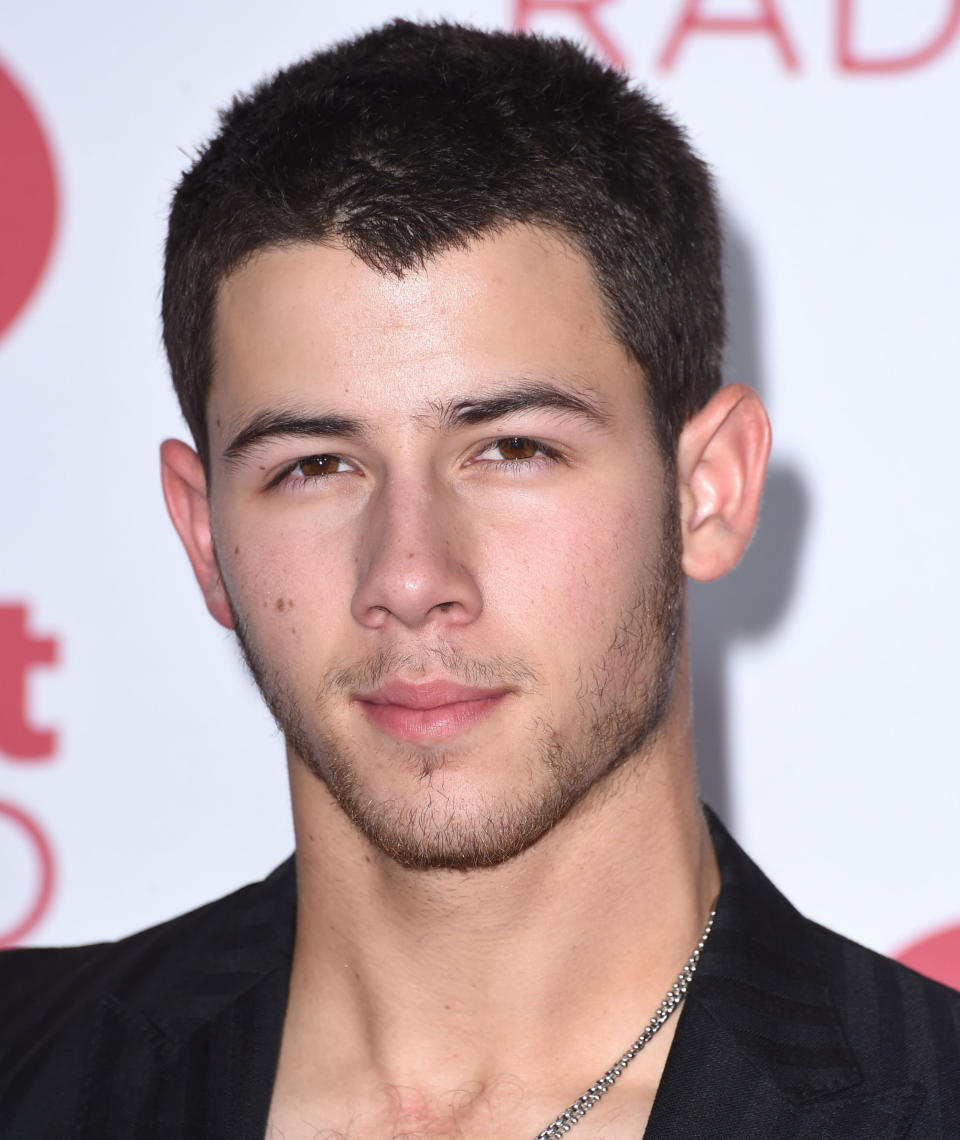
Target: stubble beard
[(619, 723)]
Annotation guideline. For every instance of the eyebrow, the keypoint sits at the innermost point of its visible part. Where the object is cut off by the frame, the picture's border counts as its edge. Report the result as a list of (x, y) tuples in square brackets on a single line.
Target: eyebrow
[(271, 423), (532, 395), (468, 411)]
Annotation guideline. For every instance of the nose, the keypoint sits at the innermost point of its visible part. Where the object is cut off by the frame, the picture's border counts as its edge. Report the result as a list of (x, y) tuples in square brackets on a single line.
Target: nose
[(412, 568)]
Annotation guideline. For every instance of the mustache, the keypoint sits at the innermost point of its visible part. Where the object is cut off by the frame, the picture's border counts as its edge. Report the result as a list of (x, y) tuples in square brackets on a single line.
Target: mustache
[(492, 672)]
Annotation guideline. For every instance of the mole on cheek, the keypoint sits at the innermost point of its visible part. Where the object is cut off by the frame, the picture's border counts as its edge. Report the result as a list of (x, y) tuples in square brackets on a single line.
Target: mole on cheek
[(284, 604)]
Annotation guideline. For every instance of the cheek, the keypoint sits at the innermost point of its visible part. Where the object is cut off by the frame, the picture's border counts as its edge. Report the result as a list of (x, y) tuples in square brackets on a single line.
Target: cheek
[(575, 570), (285, 586)]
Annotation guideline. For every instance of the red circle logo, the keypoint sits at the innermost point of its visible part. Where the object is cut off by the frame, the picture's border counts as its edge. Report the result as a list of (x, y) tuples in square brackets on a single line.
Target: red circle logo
[(937, 956), (41, 893), (28, 200)]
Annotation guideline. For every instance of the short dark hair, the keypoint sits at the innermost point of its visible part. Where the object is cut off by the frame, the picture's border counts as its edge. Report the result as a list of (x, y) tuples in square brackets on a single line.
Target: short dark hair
[(416, 138)]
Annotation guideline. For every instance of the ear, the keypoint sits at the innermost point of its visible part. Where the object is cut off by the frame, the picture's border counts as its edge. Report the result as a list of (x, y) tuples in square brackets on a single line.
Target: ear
[(185, 492), (721, 462)]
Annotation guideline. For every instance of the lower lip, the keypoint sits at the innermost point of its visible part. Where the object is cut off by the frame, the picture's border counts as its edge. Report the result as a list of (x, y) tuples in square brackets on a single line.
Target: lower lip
[(440, 723)]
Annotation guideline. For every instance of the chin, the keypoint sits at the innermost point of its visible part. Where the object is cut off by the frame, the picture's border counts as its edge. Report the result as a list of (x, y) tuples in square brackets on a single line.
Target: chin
[(446, 809)]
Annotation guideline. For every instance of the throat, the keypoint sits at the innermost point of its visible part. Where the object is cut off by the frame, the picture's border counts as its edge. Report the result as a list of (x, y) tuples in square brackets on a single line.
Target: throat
[(619, 1101), (446, 1005)]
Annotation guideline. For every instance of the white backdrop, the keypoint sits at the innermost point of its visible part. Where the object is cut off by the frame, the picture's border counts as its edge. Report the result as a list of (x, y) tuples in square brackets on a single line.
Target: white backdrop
[(825, 668)]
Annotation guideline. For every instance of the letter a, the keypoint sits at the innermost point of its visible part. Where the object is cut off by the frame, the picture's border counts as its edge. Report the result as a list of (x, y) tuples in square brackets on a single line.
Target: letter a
[(692, 19)]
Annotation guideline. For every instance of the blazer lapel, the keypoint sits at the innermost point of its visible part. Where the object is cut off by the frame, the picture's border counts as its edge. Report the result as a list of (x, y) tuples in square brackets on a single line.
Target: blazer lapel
[(187, 1049), (712, 1087), (760, 1050)]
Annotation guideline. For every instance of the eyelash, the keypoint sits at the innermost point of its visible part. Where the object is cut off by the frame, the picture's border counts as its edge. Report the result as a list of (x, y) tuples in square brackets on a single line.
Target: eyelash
[(287, 476), (544, 454)]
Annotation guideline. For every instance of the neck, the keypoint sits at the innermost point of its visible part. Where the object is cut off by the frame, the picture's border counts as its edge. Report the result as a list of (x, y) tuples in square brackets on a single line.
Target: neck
[(469, 975)]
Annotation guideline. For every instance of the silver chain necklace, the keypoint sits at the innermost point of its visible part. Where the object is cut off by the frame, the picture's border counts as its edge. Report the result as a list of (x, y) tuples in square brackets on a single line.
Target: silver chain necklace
[(675, 995)]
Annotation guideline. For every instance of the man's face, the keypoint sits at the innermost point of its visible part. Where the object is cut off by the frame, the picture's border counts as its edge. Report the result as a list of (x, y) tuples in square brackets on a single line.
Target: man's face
[(446, 533)]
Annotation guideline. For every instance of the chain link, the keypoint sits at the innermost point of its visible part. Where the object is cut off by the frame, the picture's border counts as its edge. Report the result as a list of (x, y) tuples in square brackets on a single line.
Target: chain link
[(675, 995)]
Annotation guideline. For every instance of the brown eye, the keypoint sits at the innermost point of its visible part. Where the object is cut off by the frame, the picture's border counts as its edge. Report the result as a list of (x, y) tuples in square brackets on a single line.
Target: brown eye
[(517, 447), (319, 465)]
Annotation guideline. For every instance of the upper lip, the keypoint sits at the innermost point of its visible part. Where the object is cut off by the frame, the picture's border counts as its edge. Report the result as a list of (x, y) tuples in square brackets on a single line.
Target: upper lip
[(426, 694)]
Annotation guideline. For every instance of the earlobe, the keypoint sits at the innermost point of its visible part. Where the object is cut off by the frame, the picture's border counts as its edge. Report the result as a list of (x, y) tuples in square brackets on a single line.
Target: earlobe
[(721, 462), (185, 493)]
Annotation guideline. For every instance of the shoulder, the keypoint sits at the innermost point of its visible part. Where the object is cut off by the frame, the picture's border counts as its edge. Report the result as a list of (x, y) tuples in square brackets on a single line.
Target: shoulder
[(829, 1021), (886, 1006), (43, 990), (903, 1029)]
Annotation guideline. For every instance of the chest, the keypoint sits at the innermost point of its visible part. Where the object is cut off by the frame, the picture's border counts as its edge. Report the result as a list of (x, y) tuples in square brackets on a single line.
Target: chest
[(502, 1109)]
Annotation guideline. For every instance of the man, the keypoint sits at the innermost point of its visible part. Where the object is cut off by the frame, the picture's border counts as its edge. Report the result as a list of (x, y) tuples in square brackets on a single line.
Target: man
[(443, 310)]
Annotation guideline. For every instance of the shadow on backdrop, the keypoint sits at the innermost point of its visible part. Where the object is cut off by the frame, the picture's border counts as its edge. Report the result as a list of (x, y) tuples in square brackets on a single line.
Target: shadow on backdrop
[(751, 601)]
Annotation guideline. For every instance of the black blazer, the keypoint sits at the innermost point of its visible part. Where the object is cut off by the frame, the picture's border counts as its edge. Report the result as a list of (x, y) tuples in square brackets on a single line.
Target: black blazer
[(788, 1032)]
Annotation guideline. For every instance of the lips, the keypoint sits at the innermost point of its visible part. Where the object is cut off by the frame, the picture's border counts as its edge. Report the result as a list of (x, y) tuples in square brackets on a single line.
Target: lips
[(428, 710)]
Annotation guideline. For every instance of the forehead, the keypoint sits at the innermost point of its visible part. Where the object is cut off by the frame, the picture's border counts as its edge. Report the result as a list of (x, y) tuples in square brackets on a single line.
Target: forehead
[(305, 320)]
